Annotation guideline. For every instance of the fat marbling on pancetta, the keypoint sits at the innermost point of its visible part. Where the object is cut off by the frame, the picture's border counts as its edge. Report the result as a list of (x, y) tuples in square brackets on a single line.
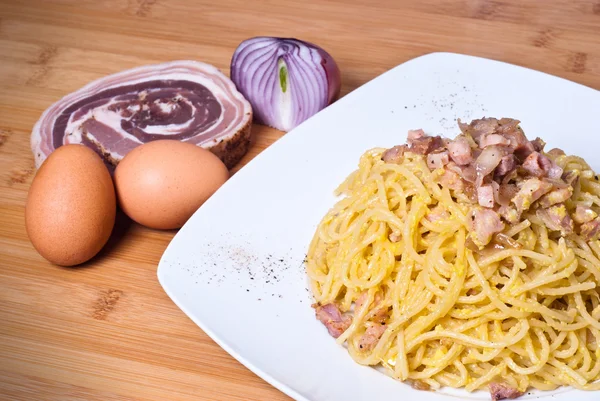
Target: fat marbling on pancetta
[(184, 100)]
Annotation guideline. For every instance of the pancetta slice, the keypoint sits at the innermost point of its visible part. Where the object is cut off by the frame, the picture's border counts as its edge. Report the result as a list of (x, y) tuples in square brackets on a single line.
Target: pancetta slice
[(183, 100)]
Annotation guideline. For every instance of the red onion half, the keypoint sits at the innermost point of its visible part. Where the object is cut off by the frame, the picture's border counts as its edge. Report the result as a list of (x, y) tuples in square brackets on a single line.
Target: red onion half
[(285, 80)]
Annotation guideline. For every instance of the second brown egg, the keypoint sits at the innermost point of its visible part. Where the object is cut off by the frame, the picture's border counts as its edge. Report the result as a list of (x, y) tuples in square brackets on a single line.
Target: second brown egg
[(162, 183)]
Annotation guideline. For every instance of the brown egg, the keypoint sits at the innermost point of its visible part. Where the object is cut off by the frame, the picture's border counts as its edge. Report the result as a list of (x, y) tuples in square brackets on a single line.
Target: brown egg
[(71, 206), (162, 183)]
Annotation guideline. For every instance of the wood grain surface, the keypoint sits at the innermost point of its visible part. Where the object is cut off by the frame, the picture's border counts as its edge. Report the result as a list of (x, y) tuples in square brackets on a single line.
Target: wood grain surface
[(106, 330)]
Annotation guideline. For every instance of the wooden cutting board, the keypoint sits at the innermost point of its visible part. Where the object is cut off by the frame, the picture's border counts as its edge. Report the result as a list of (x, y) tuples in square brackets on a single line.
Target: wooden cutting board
[(106, 330)]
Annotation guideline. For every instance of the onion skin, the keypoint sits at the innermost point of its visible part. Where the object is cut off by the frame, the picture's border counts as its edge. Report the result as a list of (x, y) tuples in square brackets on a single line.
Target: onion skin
[(285, 80), (334, 77)]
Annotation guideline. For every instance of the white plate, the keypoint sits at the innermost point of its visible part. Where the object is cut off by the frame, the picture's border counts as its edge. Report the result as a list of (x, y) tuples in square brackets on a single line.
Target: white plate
[(236, 268)]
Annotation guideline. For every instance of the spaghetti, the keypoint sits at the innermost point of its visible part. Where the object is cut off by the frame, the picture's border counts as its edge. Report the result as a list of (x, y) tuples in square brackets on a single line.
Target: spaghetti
[(434, 307)]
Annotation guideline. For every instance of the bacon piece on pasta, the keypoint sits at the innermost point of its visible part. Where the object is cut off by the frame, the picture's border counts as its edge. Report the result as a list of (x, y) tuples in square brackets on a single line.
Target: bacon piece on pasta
[(590, 230), (494, 164), (531, 190), (371, 337), (331, 316), (377, 313), (485, 196), (507, 164), (425, 144), (414, 134), (538, 165), (557, 218), (452, 180), (508, 125), (538, 144), (523, 150), (500, 391), (460, 151), (484, 223), (394, 155), (533, 164), (438, 160), (492, 139), (477, 128), (557, 196)]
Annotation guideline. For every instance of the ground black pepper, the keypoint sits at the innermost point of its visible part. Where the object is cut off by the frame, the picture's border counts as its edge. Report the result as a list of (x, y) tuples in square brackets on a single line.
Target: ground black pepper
[(243, 264)]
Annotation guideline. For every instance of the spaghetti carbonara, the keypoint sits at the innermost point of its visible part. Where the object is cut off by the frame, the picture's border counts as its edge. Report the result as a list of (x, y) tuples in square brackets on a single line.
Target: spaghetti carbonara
[(471, 263)]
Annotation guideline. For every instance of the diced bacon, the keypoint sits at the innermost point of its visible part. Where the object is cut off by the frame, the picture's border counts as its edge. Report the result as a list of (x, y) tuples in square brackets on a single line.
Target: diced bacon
[(554, 171), (492, 139), (501, 391), (480, 127), (471, 192), (538, 144), (485, 125), (505, 193), (507, 164), (533, 164), (426, 144), (331, 316), (437, 160), (379, 315), (415, 134), (531, 190), (452, 180), (508, 125), (556, 218), (583, 214), (483, 224), (378, 312), (516, 137), (551, 169), (523, 150), (590, 230), (371, 337), (395, 154), (464, 127), (511, 176), (467, 173), (494, 164), (460, 151), (485, 196), (556, 196)]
